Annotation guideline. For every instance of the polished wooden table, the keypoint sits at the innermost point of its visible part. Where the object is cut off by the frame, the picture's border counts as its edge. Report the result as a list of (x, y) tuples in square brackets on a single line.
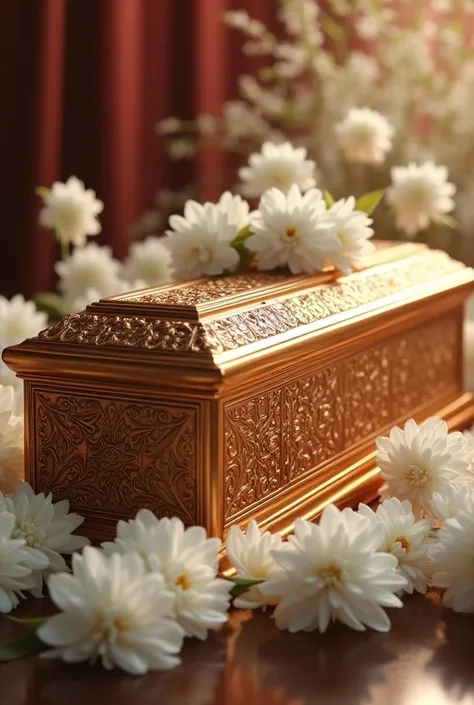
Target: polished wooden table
[(427, 659)]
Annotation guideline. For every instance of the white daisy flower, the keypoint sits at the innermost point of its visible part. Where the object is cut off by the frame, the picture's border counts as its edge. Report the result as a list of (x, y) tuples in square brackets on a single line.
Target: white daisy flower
[(332, 571), (250, 555), (11, 440), (90, 267), (418, 461), (112, 610), (353, 233), (44, 526), (365, 136), (188, 561), (16, 564), (420, 195), (278, 165), (455, 497), (200, 242), (293, 230), (405, 538), (148, 261), (71, 211), (453, 558)]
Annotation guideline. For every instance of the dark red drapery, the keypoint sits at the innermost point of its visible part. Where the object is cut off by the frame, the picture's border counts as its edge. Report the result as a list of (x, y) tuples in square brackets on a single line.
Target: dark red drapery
[(82, 84)]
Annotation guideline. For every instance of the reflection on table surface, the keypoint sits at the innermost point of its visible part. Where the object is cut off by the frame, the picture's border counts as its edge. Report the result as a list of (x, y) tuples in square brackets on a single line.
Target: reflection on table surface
[(425, 660)]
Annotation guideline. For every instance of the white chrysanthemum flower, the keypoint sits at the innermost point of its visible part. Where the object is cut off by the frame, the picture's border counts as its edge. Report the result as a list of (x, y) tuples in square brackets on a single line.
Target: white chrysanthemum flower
[(365, 136), (188, 561), (16, 564), (277, 165), (44, 526), (293, 230), (71, 211), (418, 461), (200, 242), (112, 610), (250, 555), (11, 440), (455, 497), (353, 232), (405, 538), (90, 267), (453, 559), (332, 571), (148, 261), (420, 195), (19, 319), (234, 209)]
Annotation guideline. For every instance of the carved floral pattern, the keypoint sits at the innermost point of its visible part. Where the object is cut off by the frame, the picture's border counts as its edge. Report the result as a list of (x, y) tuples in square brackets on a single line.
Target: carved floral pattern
[(114, 457), (257, 323), (325, 414), (129, 332), (368, 405), (312, 422), (253, 442), (424, 365), (267, 320), (206, 290)]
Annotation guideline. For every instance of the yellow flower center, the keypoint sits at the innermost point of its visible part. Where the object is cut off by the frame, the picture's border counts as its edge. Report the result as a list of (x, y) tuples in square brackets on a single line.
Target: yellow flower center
[(416, 475), (404, 542), (330, 575), (183, 581), (290, 235), (111, 629), (32, 535)]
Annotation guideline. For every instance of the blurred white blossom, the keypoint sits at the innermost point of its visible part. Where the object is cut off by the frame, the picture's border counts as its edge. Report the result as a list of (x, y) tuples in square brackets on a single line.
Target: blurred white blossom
[(148, 262), (420, 195), (365, 136), (281, 166), (71, 211)]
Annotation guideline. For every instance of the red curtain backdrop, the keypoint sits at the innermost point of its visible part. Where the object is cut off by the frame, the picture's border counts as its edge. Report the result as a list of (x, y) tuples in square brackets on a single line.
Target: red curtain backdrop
[(82, 84)]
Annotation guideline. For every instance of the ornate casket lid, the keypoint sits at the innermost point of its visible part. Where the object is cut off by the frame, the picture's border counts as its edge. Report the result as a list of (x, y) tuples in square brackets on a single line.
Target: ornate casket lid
[(219, 324)]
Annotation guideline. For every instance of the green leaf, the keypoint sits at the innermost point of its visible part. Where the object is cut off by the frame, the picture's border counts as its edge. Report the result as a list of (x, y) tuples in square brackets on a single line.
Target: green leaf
[(29, 644), (243, 585), (448, 221), (52, 304), (42, 191), (241, 236), (30, 622), (329, 198), (369, 202)]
